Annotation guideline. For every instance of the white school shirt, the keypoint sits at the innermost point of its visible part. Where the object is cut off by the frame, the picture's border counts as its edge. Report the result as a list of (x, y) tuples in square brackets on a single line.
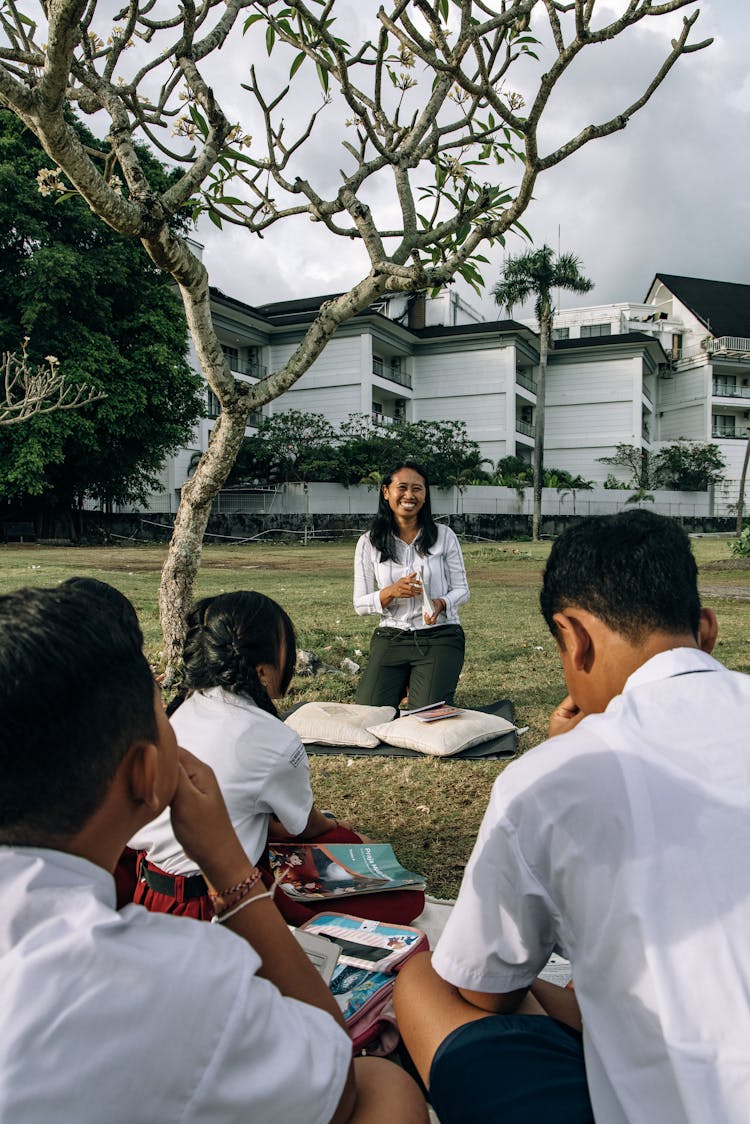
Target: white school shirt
[(143, 1018), (624, 844), (260, 764), (444, 573)]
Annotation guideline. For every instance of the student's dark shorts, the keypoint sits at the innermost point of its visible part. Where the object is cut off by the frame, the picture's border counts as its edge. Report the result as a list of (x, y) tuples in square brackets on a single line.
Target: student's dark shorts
[(511, 1069)]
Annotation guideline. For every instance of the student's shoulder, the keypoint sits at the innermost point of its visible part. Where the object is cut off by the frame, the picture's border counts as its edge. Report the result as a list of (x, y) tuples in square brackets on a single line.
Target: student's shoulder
[(167, 943), (568, 756)]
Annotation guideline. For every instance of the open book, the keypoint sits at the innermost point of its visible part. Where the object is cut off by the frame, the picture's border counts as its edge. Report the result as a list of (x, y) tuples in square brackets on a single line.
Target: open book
[(370, 954), (312, 871)]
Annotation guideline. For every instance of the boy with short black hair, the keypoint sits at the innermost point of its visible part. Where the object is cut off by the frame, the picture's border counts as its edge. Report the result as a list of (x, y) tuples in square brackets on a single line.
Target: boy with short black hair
[(622, 845), (137, 1017)]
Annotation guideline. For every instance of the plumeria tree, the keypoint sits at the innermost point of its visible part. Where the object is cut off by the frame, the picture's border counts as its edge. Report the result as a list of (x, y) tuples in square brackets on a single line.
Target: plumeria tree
[(424, 110), (535, 274)]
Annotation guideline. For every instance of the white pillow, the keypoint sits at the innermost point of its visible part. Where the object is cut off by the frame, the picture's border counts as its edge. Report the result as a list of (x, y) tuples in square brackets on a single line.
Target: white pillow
[(443, 738), (331, 723)]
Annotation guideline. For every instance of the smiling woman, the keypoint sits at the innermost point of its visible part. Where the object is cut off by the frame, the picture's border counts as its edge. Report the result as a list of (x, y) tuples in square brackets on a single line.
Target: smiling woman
[(411, 571)]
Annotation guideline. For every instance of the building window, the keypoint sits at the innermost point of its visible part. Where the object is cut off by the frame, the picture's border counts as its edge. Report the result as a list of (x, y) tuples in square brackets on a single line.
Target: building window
[(377, 407), (589, 330), (561, 333), (723, 425), (233, 357), (212, 404), (677, 345), (396, 365), (377, 365)]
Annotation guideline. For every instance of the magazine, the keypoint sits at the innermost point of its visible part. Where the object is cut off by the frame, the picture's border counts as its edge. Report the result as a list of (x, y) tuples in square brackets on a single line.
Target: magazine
[(311, 871), (360, 943), (437, 713), (422, 709), (371, 953)]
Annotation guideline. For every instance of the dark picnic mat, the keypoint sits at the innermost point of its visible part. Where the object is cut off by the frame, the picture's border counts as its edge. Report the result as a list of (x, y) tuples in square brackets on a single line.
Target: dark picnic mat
[(504, 746)]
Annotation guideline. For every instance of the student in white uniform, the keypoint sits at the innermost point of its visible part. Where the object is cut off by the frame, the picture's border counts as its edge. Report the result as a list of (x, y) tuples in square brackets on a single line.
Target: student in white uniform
[(240, 654), (133, 1017), (621, 843), (410, 571)]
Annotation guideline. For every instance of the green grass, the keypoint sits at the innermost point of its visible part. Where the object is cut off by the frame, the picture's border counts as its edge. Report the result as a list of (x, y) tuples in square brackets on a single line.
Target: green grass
[(430, 810)]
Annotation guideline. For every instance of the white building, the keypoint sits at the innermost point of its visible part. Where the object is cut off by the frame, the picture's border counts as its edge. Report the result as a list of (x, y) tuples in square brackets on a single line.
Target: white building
[(676, 366), (695, 379)]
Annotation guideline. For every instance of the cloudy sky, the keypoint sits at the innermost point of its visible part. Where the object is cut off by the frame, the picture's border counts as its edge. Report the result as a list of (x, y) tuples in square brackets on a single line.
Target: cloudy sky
[(671, 193)]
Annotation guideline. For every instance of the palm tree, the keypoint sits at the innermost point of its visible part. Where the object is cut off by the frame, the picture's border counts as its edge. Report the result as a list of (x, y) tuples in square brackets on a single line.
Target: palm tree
[(536, 273)]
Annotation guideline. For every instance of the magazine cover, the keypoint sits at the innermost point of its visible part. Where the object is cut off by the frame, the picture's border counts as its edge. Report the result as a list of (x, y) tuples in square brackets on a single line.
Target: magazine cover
[(353, 987), (311, 871), (376, 945)]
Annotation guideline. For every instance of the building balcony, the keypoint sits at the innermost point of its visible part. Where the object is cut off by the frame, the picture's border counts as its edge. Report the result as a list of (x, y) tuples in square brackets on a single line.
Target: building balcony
[(392, 370), (738, 347), (246, 367), (524, 427), (382, 419), (526, 381), (722, 389), (739, 432)]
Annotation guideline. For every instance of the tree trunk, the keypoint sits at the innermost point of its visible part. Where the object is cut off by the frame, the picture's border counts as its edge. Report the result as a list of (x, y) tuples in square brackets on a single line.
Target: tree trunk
[(537, 463), (186, 545), (743, 477)]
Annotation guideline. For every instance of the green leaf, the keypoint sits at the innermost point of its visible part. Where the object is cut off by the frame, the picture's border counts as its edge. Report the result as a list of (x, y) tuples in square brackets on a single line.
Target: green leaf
[(251, 20), (323, 76), (299, 59), (215, 219), (198, 119), (270, 38)]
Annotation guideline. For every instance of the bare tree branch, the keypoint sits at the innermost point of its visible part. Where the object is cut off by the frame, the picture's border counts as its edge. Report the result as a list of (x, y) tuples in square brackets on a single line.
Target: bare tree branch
[(29, 391)]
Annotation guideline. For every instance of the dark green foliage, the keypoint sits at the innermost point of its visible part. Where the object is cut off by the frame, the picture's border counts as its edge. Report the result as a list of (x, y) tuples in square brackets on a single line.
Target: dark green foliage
[(687, 466), (302, 446), (95, 301)]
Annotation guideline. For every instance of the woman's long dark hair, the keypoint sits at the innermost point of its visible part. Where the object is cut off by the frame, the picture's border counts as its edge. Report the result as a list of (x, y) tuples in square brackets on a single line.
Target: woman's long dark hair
[(383, 530), (228, 636)]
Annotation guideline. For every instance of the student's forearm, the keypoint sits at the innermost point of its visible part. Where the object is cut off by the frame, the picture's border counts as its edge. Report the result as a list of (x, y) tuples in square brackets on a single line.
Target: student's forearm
[(282, 960), (317, 824)]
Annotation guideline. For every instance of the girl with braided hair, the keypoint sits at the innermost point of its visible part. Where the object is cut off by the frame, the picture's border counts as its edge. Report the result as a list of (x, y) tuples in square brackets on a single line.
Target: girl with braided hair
[(240, 654)]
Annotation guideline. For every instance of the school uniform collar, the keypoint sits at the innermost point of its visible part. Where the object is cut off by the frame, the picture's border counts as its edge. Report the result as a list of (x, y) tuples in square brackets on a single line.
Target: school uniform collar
[(666, 665)]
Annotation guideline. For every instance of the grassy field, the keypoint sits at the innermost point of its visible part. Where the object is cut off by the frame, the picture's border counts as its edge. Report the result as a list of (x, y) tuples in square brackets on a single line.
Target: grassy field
[(430, 809)]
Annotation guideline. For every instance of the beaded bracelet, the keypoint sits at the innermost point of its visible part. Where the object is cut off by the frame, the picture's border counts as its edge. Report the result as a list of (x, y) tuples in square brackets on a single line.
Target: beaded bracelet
[(220, 918), (240, 890)]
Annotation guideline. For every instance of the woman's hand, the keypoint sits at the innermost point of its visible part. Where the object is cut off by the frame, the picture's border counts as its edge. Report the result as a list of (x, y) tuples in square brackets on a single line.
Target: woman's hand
[(403, 589), (439, 606)]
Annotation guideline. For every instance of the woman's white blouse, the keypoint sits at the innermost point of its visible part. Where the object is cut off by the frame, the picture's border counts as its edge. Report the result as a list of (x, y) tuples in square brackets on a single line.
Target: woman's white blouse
[(443, 572)]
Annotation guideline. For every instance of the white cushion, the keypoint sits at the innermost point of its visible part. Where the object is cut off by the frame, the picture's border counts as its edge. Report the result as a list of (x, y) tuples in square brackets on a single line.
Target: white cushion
[(443, 738), (332, 723)]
